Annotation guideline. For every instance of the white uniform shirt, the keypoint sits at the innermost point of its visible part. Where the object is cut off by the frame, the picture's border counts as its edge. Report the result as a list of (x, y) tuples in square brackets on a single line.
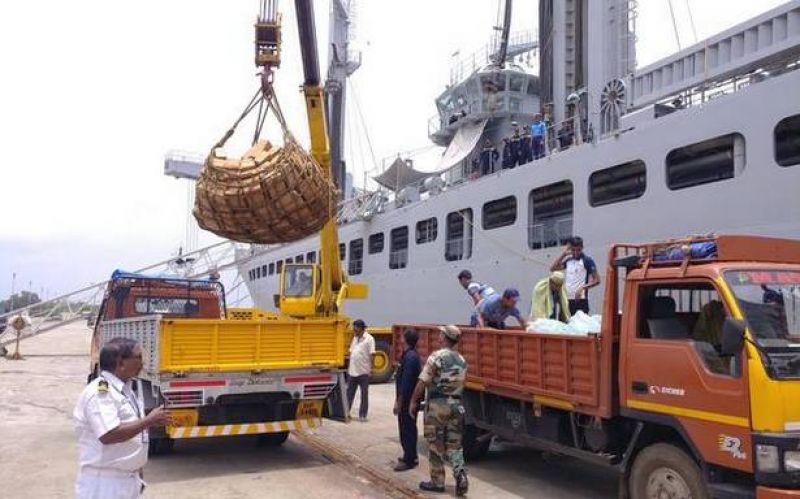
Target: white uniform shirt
[(361, 350), (99, 411)]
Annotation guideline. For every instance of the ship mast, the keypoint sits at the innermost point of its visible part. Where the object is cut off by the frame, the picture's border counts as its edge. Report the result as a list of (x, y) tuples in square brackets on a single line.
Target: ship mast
[(342, 62)]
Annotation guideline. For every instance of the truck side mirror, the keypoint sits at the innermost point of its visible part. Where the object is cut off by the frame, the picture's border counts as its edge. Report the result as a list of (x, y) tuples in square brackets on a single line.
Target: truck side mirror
[(732, 336)]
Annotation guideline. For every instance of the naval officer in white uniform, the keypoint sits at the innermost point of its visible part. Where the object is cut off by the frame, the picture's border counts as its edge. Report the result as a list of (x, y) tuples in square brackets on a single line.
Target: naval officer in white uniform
[(111, 427)]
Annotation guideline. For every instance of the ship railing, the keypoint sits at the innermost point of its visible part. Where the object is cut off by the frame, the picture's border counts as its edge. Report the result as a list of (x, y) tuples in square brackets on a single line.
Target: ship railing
[(714, 90)]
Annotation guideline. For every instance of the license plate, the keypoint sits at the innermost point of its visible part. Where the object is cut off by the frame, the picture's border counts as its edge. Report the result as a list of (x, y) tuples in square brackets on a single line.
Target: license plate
[(184, 417), (309, 409)]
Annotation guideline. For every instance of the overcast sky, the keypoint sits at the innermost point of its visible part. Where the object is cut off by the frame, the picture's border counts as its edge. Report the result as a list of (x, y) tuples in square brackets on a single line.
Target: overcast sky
[(94, 92)]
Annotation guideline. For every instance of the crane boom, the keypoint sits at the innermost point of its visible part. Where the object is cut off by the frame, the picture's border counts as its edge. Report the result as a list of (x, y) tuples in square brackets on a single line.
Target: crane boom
[(332, 280)]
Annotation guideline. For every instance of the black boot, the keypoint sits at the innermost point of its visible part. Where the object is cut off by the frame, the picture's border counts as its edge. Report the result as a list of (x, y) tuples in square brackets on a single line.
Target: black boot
[(462, 484), (431, 487)]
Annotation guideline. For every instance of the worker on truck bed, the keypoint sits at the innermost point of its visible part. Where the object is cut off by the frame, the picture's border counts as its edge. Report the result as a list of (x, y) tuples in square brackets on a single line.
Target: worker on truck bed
[(112, 428), (495, 309), (581, 274), (476, 291), (549, 299), (444, 374)]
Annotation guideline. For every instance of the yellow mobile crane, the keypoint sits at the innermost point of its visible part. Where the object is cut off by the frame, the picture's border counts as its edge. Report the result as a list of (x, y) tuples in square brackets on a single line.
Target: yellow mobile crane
[(327, 286)]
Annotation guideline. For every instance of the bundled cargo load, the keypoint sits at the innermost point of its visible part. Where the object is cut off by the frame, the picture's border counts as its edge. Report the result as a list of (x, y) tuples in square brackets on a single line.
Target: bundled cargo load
[(270, 195)]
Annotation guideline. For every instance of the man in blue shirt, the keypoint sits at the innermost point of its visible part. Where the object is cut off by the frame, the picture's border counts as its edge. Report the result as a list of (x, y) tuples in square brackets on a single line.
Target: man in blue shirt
[(496, 308), (406, 380), (538, 134)]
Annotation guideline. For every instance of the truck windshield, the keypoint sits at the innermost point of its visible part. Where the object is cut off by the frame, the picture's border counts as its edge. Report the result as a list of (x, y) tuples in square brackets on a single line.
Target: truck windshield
[(770, 302)]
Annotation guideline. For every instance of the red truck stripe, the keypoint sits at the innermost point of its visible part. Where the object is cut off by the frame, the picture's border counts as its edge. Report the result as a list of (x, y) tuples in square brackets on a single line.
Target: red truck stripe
[(306, 379), (197, 383)]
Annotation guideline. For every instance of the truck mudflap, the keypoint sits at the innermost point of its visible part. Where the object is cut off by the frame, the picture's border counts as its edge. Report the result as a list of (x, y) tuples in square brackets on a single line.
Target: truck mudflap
[(243, 428), (770, 493)]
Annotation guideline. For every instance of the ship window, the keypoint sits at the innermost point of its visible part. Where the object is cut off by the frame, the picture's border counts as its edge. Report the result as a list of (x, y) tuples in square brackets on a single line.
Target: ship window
[(264, 270), (298, 259), (618, 183), (550, 215), (426, 230), (342, 251), (355, 265), (709, 161), (258, 272), (311, 257), (500, 212), (787, 141), (533, 86), (271, 268), (279, 266), (398, 248), (251, 274), (515, 82), (376, 243), (458, 235), (289, 260)]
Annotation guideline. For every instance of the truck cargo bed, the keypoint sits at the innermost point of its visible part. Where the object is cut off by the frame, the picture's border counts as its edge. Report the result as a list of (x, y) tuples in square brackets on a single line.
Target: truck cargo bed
[(556, 370), (219, 345)]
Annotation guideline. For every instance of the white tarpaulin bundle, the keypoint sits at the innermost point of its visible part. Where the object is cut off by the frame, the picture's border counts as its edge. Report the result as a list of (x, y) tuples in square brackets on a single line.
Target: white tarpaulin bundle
[(463, 143)]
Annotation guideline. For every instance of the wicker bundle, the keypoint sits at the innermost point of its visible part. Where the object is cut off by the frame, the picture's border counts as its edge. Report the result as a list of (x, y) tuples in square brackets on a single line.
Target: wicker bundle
[(270, 195)]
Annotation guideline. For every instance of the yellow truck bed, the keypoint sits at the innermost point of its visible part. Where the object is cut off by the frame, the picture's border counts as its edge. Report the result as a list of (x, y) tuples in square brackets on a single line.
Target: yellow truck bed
[(219, 345)]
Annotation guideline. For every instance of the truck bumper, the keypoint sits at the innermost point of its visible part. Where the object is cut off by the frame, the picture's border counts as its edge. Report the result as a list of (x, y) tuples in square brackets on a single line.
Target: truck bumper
[(243, 428), (770, 493)]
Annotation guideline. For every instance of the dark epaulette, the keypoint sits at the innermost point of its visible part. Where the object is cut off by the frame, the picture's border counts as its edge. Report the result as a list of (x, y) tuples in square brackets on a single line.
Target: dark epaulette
[(102, 386)]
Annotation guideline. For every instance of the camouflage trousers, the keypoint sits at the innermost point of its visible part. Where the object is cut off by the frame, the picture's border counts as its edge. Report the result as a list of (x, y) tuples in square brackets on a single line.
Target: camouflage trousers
[(443, 426)]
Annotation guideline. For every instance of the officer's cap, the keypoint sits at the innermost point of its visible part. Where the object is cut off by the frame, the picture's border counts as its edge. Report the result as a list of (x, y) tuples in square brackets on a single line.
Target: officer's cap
[(451, 331)]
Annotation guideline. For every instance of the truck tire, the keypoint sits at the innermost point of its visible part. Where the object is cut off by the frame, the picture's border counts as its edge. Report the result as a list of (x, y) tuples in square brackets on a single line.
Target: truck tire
[(382, 368), (663, 470), (160, 446), (475, 447), (273, 439)]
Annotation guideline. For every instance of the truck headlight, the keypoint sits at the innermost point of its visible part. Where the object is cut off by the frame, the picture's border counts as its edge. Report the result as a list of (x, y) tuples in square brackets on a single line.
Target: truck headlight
[(767, 459), (791, 460)]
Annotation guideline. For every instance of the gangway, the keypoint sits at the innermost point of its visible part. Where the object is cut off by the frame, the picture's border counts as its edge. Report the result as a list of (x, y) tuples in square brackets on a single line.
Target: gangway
[(83, 303)]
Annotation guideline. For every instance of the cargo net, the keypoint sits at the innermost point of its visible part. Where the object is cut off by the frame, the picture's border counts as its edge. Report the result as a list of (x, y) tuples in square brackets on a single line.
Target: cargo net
[(271, 194)]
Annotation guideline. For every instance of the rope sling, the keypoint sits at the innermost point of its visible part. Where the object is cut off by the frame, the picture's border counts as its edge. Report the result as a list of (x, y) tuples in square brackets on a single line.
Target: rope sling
[(271, 194)]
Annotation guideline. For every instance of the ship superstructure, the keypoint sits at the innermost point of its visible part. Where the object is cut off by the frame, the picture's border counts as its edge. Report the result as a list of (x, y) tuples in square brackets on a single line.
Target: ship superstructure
[(705, 140)]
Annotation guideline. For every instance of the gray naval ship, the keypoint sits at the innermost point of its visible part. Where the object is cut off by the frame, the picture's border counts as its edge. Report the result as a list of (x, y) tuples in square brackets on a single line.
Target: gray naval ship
[(704, 140)]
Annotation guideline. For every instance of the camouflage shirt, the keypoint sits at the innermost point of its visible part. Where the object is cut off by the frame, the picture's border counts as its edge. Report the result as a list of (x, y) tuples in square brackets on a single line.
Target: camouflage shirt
[(444, 373)]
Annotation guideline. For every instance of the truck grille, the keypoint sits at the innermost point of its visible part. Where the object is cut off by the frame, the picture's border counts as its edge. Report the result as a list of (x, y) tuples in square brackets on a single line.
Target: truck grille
[(184, 398), (317, 391)]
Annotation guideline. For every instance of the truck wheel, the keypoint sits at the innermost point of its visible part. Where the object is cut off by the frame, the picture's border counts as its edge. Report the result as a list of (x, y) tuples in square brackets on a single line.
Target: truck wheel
[(382, 368), (160, 446), (474, 446), (663, 470), (273, 439)]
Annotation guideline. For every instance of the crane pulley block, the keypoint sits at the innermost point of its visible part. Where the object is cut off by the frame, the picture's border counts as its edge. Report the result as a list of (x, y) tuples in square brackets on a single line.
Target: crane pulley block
[(268, 43)]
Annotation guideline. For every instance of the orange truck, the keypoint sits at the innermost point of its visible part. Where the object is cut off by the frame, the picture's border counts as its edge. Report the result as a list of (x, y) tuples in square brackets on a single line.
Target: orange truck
[(690, 390)]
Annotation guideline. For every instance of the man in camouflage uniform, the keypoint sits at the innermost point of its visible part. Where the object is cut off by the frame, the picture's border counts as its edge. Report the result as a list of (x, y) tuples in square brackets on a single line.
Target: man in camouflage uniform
[(443, 374)]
